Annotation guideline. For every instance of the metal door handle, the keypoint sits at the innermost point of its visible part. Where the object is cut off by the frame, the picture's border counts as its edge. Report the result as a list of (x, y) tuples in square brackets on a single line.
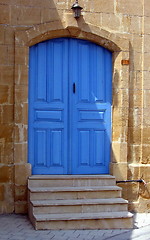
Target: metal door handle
[(74, 87)]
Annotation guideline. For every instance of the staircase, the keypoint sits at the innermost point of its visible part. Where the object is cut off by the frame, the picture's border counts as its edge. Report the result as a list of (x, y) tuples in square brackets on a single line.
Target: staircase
[(77, 202)]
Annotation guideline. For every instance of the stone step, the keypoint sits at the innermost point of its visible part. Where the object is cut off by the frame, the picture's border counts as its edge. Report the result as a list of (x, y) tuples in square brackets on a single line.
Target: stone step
[(48, 193), (103, 220), (79, 206), (71, 180)]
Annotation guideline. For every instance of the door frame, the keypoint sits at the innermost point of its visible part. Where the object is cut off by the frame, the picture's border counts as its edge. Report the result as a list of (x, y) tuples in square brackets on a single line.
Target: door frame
[(40, 101), (120, 48)]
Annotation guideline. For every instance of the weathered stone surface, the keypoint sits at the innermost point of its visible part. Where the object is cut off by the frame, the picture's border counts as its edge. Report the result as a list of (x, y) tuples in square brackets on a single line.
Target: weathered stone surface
[(5, 14), (122, 27), (20, 193), (21, 207), (20, 153), (6, 174), (1, 192), (119, 170), (22, 172), (6, 132), (130, 7), (25, 15)]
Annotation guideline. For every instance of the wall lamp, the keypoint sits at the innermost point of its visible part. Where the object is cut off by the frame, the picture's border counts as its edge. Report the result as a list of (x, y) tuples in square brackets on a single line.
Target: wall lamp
[(77, 9)]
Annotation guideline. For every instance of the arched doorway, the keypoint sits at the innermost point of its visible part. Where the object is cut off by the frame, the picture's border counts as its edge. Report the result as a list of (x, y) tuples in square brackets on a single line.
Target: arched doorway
[(69, 107)]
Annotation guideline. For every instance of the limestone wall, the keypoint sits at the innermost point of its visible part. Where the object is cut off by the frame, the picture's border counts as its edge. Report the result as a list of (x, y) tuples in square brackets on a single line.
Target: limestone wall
[(123, 26)]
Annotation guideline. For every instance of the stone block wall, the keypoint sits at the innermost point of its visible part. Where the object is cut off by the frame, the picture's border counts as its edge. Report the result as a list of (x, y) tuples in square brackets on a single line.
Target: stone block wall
[(121, 26)]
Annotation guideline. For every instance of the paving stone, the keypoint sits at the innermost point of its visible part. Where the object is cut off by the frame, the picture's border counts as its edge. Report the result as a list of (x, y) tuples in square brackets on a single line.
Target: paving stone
[(18, 227)]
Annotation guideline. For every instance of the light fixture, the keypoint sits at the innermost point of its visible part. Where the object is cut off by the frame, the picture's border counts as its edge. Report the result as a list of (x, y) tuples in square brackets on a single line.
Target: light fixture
[(77, 9)]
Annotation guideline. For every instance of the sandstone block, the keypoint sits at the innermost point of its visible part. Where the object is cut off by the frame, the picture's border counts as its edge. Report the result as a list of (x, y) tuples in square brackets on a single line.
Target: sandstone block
[(21, 74), (2, 34), (11, 53), (146, 8), (62, 5), (134, 171), (146, 24), (112, 21), (4, 93), (6, 174), (135, 26), (1, 192), (6, 153), (146, 43), (136, 42), (21, 207), (136, 61), (120, 116), (20, 130), (6, 73), (120, 98), (95, 18), (146, 119), (4, 54), (119, 170), (146, 97), (9, 35), (5, 14), (135, 117), (129, 7), (6, 132), (20, 193), (48, 14), (135, 98), (20, 153), (119, 133), (143, 205), (146, 61), (21, 55), (146, 82), (134, 153), (7, 114), (145, 191), (119, 152), (136, 78), (133, 191), (146, 135), (43, 4), (21, 113), (102, 6), (21, 94), (134, 136), (25, 15), (22, 172), (6, 207), (130, 191)]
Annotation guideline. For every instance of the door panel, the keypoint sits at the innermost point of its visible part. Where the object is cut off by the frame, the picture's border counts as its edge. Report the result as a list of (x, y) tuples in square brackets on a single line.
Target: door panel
[(48, 115), (69, 107), (91, 108)]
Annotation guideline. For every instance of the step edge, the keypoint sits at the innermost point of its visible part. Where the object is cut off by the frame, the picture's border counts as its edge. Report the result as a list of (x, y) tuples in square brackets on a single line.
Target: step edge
[(68, 189), (57, 177), (46, 203), (83, 216)]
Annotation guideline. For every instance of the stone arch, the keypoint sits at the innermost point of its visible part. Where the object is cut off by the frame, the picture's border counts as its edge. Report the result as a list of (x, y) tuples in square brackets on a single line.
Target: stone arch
[(71, 28)]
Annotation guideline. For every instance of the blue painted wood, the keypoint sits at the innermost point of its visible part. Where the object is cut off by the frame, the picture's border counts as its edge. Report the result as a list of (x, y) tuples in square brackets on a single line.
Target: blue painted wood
[(48, 115), (69, 132), (90, 108)]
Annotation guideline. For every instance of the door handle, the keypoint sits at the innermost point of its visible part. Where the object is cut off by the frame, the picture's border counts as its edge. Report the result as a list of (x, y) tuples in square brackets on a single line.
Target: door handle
[(74, 87)]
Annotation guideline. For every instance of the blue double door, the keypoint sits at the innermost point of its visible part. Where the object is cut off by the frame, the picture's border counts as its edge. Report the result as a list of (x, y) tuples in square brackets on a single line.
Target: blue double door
[(69, 107)]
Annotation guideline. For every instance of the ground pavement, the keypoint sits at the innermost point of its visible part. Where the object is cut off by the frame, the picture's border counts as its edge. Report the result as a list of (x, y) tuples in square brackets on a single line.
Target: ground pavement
[(18, 227)]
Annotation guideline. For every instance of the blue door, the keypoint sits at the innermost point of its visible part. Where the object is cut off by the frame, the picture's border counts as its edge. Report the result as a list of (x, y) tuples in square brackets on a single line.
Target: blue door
[(69, 107)]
